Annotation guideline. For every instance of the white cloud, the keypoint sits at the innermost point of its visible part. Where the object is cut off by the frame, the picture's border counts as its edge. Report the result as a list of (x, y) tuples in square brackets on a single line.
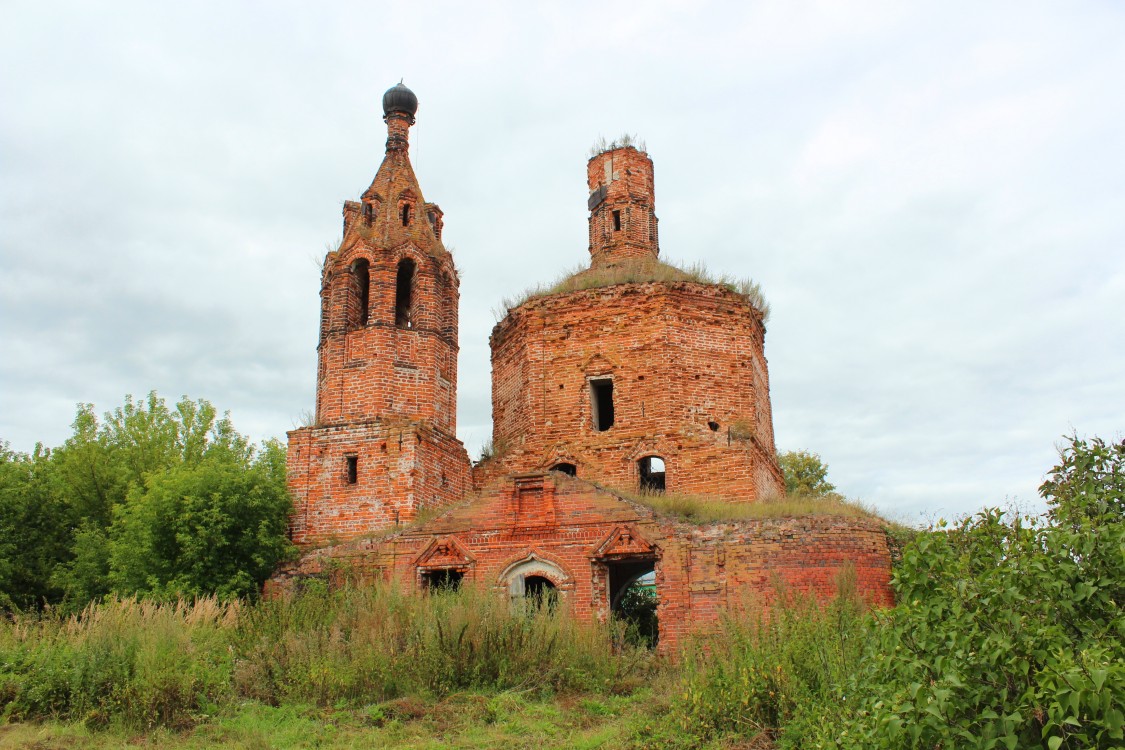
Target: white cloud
[(930, 195)]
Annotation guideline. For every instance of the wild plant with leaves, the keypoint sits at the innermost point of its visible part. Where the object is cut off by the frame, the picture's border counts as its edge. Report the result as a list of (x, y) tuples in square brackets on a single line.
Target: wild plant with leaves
[(1009, 632)]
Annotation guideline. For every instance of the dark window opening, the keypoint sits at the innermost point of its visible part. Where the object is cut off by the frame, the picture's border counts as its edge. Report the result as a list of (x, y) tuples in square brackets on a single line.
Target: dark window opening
[(633, 600), (540, 590), (617, 221), (353, 469), (406, 214), (362, 274), (367, 214), (651, 469), (566, 468), (442, 580), (403, 294), (601, 403), (713, 426)]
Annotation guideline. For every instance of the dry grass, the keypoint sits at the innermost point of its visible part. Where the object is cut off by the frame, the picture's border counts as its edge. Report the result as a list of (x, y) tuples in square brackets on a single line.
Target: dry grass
[(640, 273), (625, 140), (705, 509)]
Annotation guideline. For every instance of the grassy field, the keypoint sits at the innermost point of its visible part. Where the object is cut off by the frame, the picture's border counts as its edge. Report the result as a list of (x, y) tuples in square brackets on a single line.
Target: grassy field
[(372, 667), (461, 720)]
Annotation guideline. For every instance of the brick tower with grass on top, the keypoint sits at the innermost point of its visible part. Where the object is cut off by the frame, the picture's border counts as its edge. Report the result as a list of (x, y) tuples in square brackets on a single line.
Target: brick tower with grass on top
[(633, 373)]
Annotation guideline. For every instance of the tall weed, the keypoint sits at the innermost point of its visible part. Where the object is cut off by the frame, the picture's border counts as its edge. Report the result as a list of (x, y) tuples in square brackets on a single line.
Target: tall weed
[(377, 643), (143, 663), (764, 665)]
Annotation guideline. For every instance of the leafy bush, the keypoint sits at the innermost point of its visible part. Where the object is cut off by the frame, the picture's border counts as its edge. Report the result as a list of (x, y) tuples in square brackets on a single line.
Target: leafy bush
[(154, 499), (1009, 632), (805, 474)]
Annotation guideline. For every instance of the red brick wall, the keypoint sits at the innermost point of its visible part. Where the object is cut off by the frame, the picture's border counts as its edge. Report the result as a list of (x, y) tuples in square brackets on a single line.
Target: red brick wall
[(701, 570), (684, 357), (400, 469)]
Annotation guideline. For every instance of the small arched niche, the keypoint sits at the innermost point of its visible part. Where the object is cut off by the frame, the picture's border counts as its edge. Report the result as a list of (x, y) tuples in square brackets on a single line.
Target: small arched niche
[(566, 468), (404, 294)]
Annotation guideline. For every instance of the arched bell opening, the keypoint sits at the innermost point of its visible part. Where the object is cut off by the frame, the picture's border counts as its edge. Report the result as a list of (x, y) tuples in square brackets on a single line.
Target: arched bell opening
[(361, 293), (404, 294)]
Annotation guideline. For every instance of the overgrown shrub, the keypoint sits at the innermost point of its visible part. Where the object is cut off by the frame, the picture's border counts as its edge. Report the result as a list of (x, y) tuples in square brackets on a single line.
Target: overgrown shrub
[(1009, 632)]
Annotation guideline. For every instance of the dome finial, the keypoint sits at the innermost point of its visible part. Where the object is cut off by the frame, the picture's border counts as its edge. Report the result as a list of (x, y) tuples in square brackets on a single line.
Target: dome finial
[(400, 99)]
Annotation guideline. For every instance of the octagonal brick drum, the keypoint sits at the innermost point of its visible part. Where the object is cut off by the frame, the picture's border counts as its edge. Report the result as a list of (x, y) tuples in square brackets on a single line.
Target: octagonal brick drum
[(659, 385)]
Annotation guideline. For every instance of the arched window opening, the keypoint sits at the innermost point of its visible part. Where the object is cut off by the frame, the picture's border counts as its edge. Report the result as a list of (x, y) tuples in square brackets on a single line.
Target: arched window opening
[(539, 591), (406, 214), (404, 284), (362, 276), (651, 470), (566, 468), (533, 580)]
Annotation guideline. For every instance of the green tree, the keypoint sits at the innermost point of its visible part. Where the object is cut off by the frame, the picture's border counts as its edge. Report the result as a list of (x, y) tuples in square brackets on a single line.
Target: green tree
[(64, 512), (34, 529), (216, 526), (805, 473)]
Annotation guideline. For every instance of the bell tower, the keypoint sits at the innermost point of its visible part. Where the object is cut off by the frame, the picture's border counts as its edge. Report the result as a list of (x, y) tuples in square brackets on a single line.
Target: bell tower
[(384, 440)]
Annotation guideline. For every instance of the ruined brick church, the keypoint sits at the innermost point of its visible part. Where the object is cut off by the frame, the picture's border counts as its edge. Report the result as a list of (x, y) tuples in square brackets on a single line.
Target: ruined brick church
[(632, 377)]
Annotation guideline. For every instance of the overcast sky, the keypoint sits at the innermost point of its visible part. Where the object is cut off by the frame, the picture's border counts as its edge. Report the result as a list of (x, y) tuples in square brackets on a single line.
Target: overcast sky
[(932, 196)]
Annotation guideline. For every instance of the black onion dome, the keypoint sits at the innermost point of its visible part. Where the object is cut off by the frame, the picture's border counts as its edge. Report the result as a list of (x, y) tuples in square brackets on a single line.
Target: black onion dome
[(400, 99)]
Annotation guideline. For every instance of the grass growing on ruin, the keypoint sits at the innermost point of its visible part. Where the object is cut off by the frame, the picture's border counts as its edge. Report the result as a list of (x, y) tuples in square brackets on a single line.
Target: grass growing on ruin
[(583, 278), (705, 509)]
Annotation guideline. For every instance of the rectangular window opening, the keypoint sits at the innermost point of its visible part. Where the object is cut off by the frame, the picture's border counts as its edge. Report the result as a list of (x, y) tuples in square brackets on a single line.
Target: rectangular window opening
[(601, 403), (617, 221), (442, 580), (353, 468)]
